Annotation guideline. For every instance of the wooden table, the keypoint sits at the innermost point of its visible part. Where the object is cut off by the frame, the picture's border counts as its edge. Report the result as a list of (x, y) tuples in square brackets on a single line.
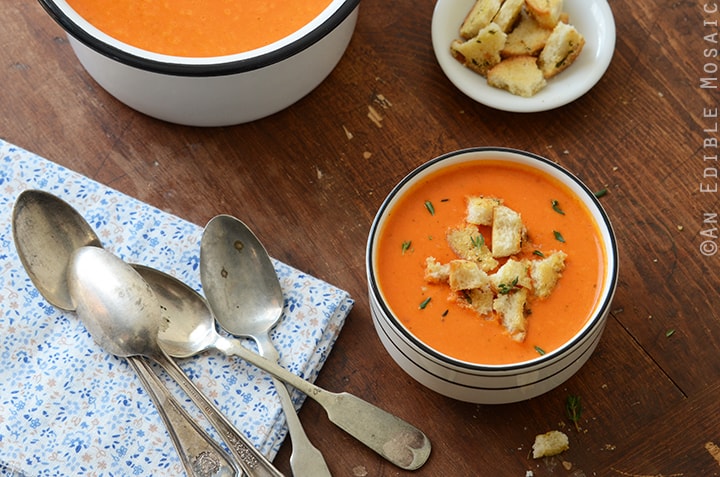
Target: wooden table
[(309, 180)]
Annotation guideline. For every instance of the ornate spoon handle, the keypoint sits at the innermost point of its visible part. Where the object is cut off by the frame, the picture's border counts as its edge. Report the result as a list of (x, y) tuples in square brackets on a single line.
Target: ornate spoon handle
[(199, 453), (394, 439), (252, 462)]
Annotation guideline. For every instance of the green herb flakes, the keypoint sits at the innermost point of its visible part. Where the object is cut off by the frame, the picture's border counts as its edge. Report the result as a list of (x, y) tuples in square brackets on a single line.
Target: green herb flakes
[(505, 288), (478, 241), (406, 246), (558, 236), (430, 207), (556, 207), (425, 303)]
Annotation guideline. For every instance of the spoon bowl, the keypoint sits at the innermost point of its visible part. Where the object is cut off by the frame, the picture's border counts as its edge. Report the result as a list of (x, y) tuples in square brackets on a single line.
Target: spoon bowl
[(245, 295), (46, 231), (122, 313)]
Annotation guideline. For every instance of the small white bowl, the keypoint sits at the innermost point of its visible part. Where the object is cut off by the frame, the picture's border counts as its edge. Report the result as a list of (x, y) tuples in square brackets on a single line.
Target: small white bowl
[(476, 382), (592, 18), (216, 91)]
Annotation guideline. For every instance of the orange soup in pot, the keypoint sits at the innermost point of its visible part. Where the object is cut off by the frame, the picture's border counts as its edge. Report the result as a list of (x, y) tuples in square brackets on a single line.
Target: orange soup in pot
[(198, 28), (555, 221)]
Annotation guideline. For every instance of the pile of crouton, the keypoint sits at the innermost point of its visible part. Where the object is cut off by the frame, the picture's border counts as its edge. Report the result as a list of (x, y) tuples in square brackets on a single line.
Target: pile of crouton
[(518, 44), (479, 279)]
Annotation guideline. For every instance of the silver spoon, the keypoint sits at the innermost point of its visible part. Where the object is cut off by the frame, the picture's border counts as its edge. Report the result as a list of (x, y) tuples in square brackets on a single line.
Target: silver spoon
[(193, 330), (46, 231), (247, 300), (124, 316)]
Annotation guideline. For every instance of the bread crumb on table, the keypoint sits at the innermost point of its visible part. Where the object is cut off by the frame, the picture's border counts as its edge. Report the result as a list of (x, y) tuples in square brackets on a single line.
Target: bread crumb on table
[(549, 444)]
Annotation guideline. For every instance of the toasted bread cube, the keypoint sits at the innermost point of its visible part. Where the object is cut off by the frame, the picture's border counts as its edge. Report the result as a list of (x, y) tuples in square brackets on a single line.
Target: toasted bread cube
[(546, 272), (546, 12), (561, 49), (469, 244), (466, 275), (514, 273), (481, 52), (550, 444), (436, 272), (479, 17), (479, 299), (508, 14), (527, 38), (508, 232), (480, 210), (511, 310), (518, 75)]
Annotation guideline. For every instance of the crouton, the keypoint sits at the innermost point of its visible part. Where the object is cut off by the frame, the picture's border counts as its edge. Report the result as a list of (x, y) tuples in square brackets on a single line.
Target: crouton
[(480, 210), (481, 52), (561, 49), (527, 38), (546, 12), (466, 275), (479, 300), (469, 244), (518, 75), (436, 272), (479, 17), (545, 273), (508, 232), (508, 14), (511, 310), (550, 444), (514, 273)]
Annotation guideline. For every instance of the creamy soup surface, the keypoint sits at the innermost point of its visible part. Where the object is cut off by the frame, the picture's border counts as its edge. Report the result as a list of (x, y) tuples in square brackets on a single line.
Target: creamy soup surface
[(431, 312), (198, 28)]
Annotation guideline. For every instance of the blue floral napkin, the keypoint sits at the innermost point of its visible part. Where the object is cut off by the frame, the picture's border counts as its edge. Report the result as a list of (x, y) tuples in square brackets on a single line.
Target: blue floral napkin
[(69, 408)]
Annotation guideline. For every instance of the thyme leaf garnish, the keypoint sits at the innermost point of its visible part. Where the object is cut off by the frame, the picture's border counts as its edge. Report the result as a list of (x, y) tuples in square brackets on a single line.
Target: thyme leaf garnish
[(406, 246), (601, 192), (556, 207), (425, 303), (538, 253), (558, 236), (505, 288), (430, 207), (539, 350), (478, 241)]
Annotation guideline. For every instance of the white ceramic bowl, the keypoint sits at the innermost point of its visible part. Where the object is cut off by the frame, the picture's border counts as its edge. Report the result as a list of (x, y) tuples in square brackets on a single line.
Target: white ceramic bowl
[(481, 383), (592, 18), (217, 91)]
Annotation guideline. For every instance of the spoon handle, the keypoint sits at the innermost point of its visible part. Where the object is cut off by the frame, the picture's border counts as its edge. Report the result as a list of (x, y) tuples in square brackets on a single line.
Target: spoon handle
[(306, 460), (199, 454), (252, 461), (394, 439)]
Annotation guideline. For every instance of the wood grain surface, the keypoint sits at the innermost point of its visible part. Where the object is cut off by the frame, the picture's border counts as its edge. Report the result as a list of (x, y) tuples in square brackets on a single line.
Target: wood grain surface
[(309, 180)]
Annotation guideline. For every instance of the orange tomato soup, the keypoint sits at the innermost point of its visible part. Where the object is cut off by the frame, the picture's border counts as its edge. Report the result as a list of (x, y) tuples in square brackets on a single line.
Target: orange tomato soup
[(458, 331), (198, 28)]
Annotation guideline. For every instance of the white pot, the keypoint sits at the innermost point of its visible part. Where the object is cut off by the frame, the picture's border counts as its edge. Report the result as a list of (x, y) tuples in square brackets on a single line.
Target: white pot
[(219, 91)]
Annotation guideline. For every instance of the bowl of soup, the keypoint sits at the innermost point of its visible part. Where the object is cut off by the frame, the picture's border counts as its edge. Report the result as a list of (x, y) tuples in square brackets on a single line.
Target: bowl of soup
[(491, 272), (207, 62)]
